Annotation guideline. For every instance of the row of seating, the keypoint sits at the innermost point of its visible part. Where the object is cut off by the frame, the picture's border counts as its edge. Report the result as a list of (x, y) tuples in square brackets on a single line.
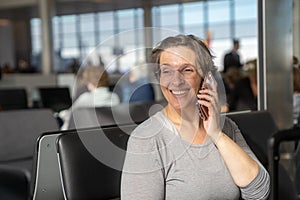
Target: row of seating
[(18, 133), (123, 113), (77, 174), (55, 98), (20, 129), (78, 164)]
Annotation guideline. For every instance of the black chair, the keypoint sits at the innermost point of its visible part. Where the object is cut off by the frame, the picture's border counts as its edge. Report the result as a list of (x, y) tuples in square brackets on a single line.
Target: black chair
[(91, 161), (256, 127), (45, 181), (13, 98), (55, 98), (297, 175), (121, 114), (18, 133), (281, 185)]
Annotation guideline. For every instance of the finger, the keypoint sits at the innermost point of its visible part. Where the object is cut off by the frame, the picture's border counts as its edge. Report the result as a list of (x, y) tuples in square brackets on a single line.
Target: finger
[(209, 101), (210, 93), (208, 97)]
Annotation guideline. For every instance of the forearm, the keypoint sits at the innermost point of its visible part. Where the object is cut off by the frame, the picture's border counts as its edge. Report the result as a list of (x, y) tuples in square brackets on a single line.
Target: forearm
[(241, 166)]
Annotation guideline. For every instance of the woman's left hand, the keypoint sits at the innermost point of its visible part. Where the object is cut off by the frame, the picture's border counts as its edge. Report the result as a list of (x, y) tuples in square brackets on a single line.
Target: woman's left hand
[(209, 98)]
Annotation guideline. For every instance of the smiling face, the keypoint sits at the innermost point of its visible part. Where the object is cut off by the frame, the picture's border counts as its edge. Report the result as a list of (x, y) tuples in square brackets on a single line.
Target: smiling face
[(179, 78)]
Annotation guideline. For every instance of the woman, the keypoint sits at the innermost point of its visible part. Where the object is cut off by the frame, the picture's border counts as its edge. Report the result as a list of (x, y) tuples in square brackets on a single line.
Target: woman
[(96, 80), (176, 154)]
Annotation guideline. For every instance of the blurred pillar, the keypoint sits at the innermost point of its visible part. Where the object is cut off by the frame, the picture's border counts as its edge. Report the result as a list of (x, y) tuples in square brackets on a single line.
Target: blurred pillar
[(275, 81), (47, 10), (148, 30), (296, 28)]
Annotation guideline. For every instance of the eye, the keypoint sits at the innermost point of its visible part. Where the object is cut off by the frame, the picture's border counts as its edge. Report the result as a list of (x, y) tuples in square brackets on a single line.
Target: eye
[(188, 69), (165, 70)]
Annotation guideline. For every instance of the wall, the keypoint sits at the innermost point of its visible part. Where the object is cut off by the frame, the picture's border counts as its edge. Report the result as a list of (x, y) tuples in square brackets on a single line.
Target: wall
[(16, 3), (22, 39), (7, 50)]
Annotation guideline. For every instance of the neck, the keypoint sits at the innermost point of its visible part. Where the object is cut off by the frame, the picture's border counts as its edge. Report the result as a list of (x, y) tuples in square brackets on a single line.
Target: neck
[(187, 123), (178, 116)]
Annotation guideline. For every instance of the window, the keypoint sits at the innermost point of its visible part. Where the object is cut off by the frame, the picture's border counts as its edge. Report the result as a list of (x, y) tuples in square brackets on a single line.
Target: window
[(87, 31), (219, 19), (79, 35), (193, 19), (246, 18), (36, 35), (36, 42)]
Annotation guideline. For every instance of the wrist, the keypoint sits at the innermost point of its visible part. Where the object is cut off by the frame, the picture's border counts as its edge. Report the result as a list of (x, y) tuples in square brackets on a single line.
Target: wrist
[(217, 137)]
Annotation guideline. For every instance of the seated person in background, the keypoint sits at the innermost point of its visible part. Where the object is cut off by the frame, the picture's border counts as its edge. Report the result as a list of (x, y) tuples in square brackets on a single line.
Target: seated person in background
[(296, 62), (296, 96), (244, 95), (97, 81), (73, 67), (137, 88), (180, 154), (231, 78)]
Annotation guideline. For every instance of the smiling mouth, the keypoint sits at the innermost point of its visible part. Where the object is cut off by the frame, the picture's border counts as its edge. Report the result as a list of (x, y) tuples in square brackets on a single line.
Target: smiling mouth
[(179, 92)]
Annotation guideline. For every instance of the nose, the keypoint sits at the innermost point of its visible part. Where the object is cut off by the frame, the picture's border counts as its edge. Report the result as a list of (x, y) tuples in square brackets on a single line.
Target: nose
[(177, 79)]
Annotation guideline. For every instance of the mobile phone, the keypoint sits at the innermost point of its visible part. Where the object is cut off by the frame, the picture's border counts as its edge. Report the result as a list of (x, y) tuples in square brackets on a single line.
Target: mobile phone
[(208, 83)]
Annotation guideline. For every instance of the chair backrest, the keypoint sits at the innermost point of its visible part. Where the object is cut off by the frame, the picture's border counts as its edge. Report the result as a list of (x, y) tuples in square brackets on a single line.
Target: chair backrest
[(297, 174), (281, 185), (121, 114), (91, 161), (256, 127), (20, 129), (13, 98), (55, 98), (45, 181)]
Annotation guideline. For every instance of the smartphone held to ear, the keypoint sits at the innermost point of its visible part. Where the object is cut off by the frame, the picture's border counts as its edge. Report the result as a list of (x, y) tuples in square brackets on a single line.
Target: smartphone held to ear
[(208, 83)]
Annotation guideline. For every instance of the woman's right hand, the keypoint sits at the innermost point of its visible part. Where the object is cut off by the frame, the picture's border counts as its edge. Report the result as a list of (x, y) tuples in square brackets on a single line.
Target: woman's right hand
[(209, 98)]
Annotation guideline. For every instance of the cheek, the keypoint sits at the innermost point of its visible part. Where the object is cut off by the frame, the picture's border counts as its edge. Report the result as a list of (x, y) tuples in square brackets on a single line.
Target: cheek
[(195, 84), (163, 84), (165, 92)]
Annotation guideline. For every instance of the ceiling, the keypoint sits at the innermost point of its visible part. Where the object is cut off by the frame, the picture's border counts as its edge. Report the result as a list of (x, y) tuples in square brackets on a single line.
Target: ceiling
[(29, 8)]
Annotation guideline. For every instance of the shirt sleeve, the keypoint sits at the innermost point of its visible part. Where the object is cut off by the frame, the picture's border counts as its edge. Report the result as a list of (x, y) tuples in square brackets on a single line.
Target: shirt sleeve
[(142, 175), (259, 187)]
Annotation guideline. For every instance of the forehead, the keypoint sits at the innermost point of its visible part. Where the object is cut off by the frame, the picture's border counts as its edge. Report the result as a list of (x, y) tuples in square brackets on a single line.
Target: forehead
[(177, 55)]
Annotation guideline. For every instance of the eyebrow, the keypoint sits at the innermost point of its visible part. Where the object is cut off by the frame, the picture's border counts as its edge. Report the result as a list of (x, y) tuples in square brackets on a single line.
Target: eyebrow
[(181, 66)]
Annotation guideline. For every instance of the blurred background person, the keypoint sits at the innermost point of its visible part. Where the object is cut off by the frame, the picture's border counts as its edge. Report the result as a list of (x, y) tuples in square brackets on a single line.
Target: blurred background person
[(73, 67), (7, 68), (296, 96), (244, 94), (96, 80), (137, 87), (232, 58), (296, 62), (231, 78), (25, 67)]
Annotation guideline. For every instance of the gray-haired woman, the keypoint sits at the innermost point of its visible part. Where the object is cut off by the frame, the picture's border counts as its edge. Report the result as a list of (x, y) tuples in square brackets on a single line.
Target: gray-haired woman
[(180, 154)]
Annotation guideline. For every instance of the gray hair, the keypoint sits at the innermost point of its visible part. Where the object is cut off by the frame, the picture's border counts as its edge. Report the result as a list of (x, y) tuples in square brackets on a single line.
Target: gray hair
[(204, 58)]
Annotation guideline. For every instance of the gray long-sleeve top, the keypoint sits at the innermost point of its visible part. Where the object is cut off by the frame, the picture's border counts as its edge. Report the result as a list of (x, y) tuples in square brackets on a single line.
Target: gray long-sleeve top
[(160, 165)]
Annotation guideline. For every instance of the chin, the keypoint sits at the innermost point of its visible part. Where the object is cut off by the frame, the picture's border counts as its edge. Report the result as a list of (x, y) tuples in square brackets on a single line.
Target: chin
[(184, 105)]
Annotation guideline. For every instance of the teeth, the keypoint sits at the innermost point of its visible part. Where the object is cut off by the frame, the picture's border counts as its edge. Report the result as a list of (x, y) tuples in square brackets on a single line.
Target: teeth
[(178, 92)]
